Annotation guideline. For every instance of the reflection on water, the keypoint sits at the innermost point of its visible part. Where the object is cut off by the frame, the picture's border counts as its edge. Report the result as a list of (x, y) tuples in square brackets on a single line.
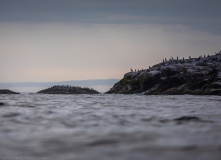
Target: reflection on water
[(120, 127)]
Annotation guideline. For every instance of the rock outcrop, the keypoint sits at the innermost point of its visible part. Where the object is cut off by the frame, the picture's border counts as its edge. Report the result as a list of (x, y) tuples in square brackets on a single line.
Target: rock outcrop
[(68, 90), (6, 91), (196, 76)]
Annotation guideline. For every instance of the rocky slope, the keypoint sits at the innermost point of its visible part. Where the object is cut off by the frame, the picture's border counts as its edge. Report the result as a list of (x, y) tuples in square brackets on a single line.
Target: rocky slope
[(6, 91), (197, 76), (68, 90)]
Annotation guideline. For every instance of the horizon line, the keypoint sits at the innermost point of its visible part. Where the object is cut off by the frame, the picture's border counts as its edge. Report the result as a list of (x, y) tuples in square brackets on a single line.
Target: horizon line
[(61, 81)]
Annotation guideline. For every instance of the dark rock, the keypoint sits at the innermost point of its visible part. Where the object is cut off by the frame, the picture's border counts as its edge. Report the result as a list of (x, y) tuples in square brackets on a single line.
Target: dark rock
[(187, 118), (68, 90), (196, 77), (6, 91), (2, 104), (182, 119)]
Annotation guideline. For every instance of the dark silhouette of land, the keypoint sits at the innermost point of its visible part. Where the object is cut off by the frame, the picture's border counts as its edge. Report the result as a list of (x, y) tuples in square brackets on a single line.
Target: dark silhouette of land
[(196, 76), (66, 89), (6, 91)]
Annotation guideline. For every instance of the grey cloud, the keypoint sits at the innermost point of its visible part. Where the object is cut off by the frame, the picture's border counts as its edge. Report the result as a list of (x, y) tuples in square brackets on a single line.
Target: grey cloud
[(198, 14)]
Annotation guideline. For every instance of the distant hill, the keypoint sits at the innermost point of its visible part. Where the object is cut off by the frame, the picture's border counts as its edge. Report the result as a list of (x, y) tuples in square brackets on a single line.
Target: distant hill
[(6, 91), (68, 90), (196, 76)]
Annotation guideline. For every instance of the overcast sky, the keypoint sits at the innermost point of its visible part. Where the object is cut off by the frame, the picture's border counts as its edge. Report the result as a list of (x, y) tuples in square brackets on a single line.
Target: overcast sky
[(54, 40)]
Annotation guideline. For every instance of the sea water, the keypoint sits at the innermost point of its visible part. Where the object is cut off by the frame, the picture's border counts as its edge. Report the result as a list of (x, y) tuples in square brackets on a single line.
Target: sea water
[(106, 127)]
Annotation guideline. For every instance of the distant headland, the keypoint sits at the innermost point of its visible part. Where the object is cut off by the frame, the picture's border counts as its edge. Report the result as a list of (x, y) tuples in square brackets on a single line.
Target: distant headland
[(101, 85), (6, 91), (66, 89), (195, 76)]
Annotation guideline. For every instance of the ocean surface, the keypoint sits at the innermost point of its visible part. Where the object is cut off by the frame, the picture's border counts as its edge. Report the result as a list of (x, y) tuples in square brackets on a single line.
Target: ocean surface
[(110, 127)]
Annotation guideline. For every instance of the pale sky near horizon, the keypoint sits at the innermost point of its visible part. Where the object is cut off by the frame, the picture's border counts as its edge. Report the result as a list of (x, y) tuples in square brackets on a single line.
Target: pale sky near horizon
[(58, 40)]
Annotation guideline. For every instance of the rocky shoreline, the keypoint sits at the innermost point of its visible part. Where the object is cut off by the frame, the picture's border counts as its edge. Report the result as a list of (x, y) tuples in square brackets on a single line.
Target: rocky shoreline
[(195, 76), (6, 91), (65, 89)]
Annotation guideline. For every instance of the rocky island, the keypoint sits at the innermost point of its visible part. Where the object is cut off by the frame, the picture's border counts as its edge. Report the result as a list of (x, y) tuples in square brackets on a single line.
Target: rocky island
[(195, 76), (6, 91), (66, 89)]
